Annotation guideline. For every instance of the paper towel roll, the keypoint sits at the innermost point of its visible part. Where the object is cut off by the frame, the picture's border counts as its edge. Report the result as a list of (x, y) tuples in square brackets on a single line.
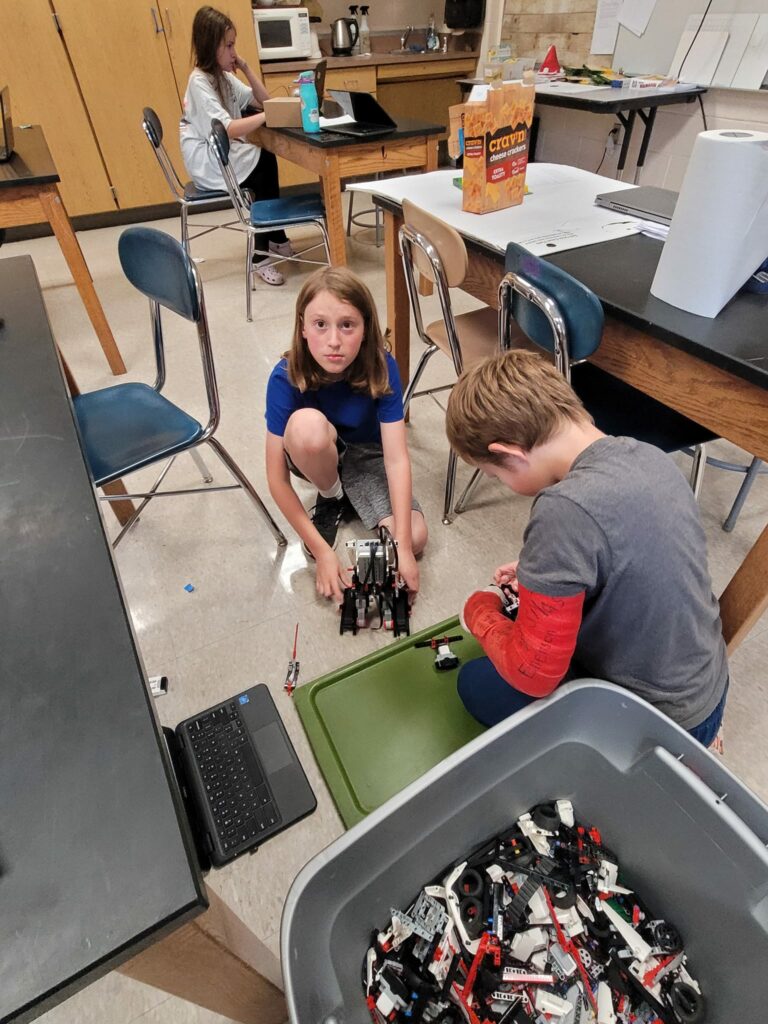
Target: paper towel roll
[(719, 231)]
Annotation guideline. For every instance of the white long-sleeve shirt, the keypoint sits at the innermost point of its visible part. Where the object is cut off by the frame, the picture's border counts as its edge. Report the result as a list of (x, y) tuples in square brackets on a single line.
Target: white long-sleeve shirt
[(201, 104)]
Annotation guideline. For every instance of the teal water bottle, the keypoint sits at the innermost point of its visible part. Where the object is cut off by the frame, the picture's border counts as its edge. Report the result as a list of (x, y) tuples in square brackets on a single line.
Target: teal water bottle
[(310, 113)]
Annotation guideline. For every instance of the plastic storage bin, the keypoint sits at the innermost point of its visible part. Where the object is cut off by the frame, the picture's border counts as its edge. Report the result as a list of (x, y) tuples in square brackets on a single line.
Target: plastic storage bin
[(689, 836)]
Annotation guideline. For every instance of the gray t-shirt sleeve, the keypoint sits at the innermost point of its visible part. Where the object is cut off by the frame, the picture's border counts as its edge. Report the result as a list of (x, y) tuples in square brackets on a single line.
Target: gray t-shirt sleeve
[(564, 550)]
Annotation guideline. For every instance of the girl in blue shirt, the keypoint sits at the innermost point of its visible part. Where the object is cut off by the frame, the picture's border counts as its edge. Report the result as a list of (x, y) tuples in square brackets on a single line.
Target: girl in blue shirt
[(335, 417)]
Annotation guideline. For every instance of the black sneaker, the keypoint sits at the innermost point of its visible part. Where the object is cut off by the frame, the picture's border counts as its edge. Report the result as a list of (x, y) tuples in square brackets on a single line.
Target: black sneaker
[(326, 516)]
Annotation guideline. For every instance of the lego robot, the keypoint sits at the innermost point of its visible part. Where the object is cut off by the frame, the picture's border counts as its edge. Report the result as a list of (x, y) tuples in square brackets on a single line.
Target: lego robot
[(375, 590)]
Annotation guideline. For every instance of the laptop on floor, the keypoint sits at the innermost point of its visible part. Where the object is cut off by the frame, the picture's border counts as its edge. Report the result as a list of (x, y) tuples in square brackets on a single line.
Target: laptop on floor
[(240, 776), (644, 201), (369, 118)]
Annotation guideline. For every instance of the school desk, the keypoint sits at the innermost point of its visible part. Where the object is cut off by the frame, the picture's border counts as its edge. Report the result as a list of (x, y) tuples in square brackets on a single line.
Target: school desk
[(28, 189), (334, 157), (715, 371), (97, 866)]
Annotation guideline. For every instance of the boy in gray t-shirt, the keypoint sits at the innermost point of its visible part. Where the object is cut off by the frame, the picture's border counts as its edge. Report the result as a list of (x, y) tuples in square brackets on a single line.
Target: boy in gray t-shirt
[(612, 577)]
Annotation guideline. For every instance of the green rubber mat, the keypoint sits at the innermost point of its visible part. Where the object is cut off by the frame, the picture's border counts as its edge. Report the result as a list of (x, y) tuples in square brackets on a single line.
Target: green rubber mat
[(381, 722)]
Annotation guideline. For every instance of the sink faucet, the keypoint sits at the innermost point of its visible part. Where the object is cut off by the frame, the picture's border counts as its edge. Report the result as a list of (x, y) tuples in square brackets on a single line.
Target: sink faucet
[(404, 36)]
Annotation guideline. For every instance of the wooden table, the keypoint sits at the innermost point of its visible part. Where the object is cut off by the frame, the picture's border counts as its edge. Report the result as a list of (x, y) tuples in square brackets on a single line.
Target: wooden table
[(333, 157), (27, 189), (715, 371), (98, 869)]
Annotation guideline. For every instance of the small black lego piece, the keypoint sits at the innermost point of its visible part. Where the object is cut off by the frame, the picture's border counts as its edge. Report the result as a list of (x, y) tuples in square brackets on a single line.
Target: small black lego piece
[(445, 658)]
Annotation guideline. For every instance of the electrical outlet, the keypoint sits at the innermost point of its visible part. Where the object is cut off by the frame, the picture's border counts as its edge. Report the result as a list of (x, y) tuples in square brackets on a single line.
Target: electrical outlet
[(614, 139)]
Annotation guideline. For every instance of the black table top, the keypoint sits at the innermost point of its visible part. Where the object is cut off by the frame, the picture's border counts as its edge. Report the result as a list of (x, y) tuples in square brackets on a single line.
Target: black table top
[(406, 128), (31, 163), (620, 272), (95, 856)]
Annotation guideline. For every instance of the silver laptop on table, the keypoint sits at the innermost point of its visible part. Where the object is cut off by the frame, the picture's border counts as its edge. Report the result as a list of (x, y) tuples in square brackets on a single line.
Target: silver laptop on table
[(644, 201)]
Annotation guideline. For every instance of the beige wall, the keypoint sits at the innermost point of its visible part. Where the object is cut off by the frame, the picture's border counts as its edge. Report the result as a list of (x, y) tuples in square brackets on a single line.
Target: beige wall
[(389, 14), (577, 138)]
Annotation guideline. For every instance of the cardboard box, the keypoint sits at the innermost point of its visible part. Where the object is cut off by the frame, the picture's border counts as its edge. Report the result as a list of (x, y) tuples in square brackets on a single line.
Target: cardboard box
[(283, 112), (496, 137)]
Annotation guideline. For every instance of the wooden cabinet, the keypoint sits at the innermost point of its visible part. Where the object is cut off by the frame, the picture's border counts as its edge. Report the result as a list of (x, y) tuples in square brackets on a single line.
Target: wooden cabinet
[(121, 61), (177, 17), (44, 91)]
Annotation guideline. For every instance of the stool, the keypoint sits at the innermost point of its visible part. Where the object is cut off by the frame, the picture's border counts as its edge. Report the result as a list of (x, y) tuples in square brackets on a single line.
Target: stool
[(355, 218)]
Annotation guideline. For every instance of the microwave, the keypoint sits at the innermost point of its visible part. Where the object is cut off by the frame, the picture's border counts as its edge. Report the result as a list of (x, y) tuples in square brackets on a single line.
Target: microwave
[(282, 32)]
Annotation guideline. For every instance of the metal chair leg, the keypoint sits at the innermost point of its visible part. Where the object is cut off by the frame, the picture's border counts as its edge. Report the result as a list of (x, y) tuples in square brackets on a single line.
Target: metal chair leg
[(349, 211), (697, 469), (249, 489), (185, 229), (746, 485), (150, 494), (197, 458), (425, 357), (450, 484), (249, 275), (461, 504)]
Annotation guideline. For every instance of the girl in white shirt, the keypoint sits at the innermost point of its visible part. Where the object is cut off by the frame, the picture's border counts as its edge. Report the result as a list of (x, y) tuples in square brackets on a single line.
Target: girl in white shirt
[(213, 91)]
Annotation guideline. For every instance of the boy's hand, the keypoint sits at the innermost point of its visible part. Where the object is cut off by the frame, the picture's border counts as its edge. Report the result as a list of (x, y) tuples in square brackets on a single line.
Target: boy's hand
[(331, 577), (506, 574), (408, 569)]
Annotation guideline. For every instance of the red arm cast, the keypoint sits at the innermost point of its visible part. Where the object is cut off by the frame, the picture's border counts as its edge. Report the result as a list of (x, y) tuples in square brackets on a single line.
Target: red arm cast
[(534, 652)]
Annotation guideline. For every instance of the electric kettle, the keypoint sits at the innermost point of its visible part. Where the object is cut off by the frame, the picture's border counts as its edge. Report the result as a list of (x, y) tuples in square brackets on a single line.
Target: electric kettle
[(343, 36)]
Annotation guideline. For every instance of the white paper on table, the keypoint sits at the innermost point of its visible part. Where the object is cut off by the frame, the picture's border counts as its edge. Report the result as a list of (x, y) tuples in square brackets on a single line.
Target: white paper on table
[(558, 214), (478, 92), (571, 87), (635, 15), (754, 63), (697, 56), (606, 26), (331, 122)]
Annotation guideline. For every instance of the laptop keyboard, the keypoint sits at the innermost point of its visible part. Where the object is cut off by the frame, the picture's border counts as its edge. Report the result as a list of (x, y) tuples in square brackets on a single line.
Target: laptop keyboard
[(238, 795)]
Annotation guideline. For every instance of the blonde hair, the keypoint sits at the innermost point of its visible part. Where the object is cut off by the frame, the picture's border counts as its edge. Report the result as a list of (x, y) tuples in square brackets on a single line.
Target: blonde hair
[(512, 398), (368, 373)]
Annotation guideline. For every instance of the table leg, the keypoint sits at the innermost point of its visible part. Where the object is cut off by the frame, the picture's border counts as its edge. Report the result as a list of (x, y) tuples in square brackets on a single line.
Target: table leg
[(50, 200), (746, 597), (215, 961), (629, 123), (648, 120), (123, 509), (398, 304), (331, 182)]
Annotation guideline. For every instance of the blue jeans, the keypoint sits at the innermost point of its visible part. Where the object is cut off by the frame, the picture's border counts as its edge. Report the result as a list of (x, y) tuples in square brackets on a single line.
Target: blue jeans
[(490, 699)]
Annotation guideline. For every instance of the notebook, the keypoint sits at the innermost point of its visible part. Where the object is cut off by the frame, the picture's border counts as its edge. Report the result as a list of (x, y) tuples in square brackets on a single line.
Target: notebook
[(6, 126), (240, 775), (644, 201), (369, 119)]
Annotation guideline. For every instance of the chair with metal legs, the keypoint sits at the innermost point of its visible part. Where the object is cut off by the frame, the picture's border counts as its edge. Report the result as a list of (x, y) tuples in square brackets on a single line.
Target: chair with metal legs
[(129, 426), (187, 195), (565, 319), (435, 250), (258, 218)]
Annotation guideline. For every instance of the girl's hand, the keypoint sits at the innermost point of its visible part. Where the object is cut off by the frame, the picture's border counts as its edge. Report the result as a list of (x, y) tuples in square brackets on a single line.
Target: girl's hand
[(240, 64), (506, 574), (331, 578), (408, 569)]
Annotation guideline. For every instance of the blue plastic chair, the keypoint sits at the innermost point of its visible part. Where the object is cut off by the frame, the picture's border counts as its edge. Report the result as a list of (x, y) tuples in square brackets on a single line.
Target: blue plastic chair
[(565, 319), (186, 194), (256, 218), (129, 426)]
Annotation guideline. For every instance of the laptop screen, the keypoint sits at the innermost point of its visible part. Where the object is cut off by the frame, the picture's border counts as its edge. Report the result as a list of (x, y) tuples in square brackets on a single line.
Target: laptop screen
[(6, 125), (363, 107)]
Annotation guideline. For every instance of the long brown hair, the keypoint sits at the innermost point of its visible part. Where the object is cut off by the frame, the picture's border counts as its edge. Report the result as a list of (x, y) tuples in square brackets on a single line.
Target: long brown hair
[(208, 30), (368, 372)]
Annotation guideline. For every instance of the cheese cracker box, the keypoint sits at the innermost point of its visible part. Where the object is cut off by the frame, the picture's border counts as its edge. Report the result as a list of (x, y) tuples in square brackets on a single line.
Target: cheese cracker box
[(496, 136)]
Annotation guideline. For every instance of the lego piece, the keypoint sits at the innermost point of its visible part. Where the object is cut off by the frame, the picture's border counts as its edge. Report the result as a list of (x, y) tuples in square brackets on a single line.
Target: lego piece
[(525, 944), (550, 1004), (292, 674), (562, 962), (636, 943), (605, 1014), (375, 587), (565, 810), (520, 976)]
